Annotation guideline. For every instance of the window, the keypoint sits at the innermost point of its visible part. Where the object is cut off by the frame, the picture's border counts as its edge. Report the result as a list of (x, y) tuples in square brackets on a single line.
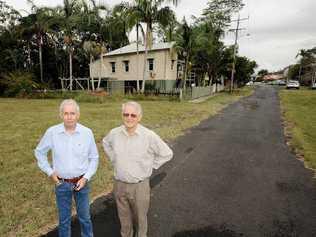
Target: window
[(172, 64), (113, 66), (150, 64), (126, 65)]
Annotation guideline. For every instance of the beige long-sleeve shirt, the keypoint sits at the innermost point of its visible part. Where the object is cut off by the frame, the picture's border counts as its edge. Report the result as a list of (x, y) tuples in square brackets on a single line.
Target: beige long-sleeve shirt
[(135, 156)]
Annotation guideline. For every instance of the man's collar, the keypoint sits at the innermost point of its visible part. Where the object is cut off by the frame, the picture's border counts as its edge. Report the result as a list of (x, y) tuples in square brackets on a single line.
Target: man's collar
[(137, 130), (62, 129)]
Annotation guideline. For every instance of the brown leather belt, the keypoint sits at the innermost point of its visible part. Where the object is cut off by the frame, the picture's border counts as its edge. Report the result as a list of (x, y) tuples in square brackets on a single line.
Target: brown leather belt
[(72, 180)]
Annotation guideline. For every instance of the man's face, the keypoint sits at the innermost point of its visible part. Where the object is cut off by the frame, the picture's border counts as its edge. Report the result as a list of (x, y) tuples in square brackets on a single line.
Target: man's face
[(70, 116), (130, 117)]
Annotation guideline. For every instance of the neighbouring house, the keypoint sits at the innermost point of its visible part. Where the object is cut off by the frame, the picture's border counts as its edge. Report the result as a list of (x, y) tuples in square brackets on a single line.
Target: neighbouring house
[(273, 77), (121, 68)]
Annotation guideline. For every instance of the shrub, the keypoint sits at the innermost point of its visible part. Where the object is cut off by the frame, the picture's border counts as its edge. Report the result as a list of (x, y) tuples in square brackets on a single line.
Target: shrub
[(18, 84)]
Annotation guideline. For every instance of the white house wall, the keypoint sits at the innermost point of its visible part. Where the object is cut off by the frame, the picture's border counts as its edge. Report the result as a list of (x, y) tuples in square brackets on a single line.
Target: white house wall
[(162, 67)]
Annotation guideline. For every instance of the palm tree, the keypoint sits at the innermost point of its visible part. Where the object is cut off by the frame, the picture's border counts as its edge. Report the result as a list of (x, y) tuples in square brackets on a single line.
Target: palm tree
[(138, 28), (307, 60), (184, 45), (91, 25), (303, 53), (122, 21), (68, 20), (37, 24), (209, 50), (8, 17), (150, 12), (92, 49), (168, 32), (11, 47)]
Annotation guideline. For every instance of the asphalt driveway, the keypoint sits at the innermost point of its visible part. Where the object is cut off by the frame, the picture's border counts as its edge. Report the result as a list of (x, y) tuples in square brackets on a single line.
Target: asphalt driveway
[(232, 175)]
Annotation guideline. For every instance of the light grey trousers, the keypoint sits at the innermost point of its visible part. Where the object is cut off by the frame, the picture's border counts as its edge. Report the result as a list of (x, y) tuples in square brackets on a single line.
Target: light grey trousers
[(132, 202)]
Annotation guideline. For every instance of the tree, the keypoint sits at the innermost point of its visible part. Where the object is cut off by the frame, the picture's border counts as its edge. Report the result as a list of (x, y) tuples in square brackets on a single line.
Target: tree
[(184, 46), (149, 13), (209, 50), (11, 52), (307, 60), (168, 32), (244, 69), (218, 15), (219, 12), (8, 16), (69, 18), (263, 72), (294, 71), (90, 32), (37, 25), (303, 54), (121, 22)]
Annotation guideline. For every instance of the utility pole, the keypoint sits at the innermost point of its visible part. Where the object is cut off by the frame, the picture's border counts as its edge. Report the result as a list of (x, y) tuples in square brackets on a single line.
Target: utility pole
[(235, 50)]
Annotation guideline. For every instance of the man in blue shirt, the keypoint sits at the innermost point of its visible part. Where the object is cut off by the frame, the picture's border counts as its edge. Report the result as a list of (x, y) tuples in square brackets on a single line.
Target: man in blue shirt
[(74, 161)]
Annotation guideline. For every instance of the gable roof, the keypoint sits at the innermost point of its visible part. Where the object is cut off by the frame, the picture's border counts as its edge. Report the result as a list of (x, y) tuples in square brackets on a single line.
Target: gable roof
[(132, 48)]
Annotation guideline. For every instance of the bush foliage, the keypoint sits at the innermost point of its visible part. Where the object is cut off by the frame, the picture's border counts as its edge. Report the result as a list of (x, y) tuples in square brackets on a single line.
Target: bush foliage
[(18, 84)]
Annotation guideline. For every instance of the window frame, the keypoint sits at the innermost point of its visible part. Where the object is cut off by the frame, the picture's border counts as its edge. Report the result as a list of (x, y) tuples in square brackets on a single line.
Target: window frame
[(113, 68), (126, 65), (150, 62)]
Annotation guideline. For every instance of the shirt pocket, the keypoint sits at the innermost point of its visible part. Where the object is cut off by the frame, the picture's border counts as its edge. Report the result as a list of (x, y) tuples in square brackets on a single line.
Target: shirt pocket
[(80, 150)]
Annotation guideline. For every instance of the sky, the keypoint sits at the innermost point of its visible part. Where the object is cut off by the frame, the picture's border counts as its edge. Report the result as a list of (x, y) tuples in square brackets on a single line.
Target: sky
[(273, 34)]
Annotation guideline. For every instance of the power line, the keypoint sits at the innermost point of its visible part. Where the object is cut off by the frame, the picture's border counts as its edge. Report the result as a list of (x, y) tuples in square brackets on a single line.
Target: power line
[(235, 49)]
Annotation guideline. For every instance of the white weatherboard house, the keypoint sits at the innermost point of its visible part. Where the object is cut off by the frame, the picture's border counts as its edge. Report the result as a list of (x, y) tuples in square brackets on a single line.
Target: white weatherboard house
[(121, 68)]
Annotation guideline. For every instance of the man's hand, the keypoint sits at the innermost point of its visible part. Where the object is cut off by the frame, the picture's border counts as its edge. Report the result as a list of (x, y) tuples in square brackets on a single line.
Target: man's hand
[(54, 177), (80, 184)]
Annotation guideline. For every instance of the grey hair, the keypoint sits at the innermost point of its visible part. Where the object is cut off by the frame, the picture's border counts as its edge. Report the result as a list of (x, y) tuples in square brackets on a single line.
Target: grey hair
[(68, 102), (134, 104)]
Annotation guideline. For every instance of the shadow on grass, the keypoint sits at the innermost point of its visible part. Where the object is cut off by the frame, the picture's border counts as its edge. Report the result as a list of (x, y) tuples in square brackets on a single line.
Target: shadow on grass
[(104, 215)]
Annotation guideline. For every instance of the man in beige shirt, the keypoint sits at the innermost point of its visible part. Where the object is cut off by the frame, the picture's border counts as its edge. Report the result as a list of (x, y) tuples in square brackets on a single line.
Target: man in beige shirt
[(134, 152)]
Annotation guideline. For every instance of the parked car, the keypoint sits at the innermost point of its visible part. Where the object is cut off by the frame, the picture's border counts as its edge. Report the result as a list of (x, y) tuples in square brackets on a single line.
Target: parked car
[(314, 86), (281, 83), (292, 85), (249, 83)]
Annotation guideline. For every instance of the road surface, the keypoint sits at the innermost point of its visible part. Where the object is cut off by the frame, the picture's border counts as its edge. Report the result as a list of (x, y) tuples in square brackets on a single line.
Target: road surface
[(233, 175)]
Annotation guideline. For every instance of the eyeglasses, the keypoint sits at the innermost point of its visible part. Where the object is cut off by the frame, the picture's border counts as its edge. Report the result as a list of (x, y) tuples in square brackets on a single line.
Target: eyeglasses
[(126, 115)]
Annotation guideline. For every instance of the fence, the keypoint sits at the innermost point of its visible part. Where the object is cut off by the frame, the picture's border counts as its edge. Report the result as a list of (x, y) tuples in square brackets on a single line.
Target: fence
[(192, 93), (161, 88)]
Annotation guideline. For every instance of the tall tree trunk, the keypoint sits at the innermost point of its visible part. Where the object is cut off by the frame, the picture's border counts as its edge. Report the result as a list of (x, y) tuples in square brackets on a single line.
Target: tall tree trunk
[(58, 68), (29, 61), (145, 58), (185, 76), (41, 58), (92, 79), (70, 68), (137, 49), (100, 74), (210, 77), (299, 72)]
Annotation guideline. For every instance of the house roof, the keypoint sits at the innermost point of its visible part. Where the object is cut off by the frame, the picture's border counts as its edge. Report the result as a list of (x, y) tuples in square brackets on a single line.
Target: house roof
[(132, 48), (271, 77)]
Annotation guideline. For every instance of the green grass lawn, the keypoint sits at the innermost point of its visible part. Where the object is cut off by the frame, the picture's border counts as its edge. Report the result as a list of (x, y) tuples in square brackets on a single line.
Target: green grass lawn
[(27, 199), (299, 109)]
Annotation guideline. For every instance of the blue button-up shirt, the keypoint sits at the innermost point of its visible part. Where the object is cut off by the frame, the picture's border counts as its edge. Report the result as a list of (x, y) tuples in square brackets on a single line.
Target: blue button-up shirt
[(72, 154)]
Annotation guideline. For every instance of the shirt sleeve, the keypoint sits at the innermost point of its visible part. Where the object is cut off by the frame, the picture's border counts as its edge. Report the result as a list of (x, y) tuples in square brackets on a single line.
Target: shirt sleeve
[(161, 151), (41, 151), (107, 143), (93, 157)]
